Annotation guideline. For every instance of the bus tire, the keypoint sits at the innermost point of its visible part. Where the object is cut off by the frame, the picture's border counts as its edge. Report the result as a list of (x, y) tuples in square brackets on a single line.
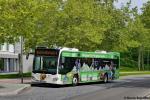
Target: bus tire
[(105, 79), (75, 80)]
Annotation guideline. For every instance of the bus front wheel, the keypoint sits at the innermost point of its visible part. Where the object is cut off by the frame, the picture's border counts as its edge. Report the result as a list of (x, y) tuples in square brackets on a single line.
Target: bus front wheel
[(75, 81)]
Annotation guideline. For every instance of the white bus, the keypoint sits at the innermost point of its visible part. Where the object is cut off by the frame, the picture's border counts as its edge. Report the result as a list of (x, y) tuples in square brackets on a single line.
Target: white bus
[(71, 66)]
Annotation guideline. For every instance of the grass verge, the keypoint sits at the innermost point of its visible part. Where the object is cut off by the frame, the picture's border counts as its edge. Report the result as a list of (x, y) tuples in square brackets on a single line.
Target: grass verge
[(127, 69), (15, 75), (134, 73)]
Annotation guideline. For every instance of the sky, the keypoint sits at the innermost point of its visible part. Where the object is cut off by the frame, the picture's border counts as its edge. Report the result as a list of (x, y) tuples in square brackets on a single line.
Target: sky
[(138, 3)]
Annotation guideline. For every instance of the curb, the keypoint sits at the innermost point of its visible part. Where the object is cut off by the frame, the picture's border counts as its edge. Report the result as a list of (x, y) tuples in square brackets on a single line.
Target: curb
[(15, 92)]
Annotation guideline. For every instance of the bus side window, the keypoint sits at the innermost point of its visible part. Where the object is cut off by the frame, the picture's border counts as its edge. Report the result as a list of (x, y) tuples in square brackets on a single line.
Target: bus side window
[(96, 64)]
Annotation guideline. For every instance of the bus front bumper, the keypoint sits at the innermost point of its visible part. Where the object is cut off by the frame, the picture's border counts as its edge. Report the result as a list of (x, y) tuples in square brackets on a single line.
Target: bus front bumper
[(49, 79)]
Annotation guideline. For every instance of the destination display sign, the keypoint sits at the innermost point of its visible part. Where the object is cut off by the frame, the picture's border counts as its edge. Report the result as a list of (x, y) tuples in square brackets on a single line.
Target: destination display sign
[(46, 52)]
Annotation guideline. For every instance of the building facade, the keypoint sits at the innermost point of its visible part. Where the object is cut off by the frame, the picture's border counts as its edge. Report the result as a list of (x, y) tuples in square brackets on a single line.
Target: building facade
[(8, 58), (9, 61)]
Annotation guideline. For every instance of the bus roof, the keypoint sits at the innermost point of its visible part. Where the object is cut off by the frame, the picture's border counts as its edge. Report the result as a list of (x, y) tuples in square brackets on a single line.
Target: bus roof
[(73, 52)]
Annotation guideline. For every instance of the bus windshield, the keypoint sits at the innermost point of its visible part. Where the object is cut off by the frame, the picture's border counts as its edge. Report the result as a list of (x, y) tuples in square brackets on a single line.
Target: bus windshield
[(45, 64), (45, 61)]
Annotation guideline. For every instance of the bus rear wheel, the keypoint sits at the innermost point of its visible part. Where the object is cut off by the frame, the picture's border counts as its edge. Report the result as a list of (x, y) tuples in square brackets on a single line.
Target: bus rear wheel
[(75, 81)]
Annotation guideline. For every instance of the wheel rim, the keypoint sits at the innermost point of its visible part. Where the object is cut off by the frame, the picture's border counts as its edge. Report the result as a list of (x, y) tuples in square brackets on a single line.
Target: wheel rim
[(75, 81)]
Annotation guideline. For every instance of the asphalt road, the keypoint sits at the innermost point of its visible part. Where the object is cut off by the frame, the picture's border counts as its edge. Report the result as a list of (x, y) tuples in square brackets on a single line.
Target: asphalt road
[(128, 87)]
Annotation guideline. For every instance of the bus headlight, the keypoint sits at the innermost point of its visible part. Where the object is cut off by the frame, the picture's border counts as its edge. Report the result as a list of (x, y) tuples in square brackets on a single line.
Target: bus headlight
[(33, 78)]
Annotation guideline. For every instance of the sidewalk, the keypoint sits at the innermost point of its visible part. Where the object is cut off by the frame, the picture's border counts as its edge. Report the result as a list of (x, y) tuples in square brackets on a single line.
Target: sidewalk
[(13, 86)]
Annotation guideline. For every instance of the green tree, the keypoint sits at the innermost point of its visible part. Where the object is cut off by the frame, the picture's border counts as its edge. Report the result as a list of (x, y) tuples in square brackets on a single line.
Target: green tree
[(118, 37), (139, 35), (145, 37), (81, 24), (31, 19)]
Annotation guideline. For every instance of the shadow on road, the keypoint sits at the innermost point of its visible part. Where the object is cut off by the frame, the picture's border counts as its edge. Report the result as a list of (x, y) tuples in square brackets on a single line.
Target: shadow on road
[(48, 85), (2, 87), (139, 82)]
